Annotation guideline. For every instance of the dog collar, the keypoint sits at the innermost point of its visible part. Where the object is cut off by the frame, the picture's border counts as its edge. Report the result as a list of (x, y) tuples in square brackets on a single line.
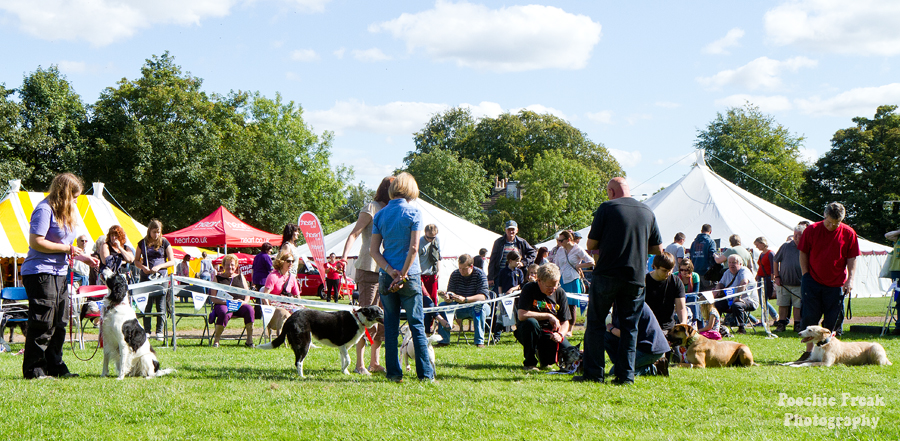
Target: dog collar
[(357, 318), (690, 340), (826, 341)]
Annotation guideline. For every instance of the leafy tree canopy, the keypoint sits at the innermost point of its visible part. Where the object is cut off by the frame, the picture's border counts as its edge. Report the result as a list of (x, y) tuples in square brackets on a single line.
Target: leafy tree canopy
[(459, 185), (860, 171), (754, 143)]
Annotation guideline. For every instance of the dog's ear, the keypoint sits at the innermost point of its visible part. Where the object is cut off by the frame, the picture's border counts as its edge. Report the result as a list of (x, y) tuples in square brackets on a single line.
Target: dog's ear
[(578, 346)]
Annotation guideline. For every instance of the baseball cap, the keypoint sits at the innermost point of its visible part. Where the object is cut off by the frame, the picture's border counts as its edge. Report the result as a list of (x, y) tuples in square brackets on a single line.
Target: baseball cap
[(577, 235), (511, 224)]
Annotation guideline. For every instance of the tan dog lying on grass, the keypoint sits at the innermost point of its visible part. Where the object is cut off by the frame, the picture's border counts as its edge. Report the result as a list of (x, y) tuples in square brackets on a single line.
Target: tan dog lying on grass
[(703, 352), (829, 350)]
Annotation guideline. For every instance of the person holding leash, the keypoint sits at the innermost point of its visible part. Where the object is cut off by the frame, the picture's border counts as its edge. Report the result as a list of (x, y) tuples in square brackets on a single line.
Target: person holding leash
[(399, 227), (50, 238)]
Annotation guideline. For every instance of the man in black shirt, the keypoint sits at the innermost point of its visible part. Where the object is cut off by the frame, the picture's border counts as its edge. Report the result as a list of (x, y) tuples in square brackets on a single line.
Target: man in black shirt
[(664, 293), (543, 319), (624, 232)]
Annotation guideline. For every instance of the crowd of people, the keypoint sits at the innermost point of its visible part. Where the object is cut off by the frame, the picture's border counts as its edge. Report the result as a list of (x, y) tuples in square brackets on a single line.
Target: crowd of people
[(398, 268)]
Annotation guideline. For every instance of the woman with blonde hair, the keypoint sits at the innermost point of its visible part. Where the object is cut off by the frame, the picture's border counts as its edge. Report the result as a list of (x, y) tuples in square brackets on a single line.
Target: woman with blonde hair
[(221, 313), (281, 281), (154, 257), (399, 226), (50, 242)]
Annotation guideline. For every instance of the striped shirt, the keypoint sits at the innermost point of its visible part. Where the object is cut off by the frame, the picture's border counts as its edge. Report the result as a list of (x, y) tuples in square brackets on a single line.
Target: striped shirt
[(476, 283)]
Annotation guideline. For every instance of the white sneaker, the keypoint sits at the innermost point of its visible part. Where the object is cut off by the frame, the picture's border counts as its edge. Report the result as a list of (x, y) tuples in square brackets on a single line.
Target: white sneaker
[(159, 337)]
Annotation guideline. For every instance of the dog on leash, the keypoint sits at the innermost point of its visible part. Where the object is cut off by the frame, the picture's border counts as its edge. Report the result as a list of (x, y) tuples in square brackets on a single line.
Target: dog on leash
[(703, 352), (124, 340), (408, 349), (828, 350), (340, 329)]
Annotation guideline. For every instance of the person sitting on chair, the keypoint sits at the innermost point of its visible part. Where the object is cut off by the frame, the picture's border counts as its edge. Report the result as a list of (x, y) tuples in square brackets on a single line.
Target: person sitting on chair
[(543, 319), (220, 314), (740, 278), (467, 285)]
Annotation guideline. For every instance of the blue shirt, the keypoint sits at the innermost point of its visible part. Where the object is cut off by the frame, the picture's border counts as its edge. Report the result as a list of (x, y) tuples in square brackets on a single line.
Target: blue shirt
[(650, 339), (509, 278), (43, 223), (395, 223)]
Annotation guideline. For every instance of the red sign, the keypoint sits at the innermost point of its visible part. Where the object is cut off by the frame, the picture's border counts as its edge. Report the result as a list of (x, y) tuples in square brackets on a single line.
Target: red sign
[(312, 232)]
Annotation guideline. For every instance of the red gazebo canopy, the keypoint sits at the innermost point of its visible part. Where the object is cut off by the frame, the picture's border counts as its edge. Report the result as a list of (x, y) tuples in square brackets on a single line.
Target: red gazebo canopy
[(221, 228)]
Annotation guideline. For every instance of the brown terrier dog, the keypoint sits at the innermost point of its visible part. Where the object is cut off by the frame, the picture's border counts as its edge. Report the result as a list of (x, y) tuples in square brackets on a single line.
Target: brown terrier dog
[(703, 352)]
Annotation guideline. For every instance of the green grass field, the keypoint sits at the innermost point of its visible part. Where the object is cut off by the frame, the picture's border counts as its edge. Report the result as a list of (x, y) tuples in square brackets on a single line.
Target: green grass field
[(238, 393)]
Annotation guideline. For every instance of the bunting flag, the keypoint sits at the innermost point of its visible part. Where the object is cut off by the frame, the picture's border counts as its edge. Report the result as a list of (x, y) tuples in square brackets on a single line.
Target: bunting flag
[(312, 232), (268, 311), (728, 292), (450, 315), (233, 305), (140, 302), (508, 306), (582, 306), (199, 300)]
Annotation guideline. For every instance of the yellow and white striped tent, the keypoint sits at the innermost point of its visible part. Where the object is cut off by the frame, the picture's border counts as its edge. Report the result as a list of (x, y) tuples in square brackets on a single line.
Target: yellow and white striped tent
[(96, 216)]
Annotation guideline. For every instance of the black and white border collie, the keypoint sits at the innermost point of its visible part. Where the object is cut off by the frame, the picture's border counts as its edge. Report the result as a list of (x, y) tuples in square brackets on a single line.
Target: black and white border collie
[(124, 339), (341, 329)]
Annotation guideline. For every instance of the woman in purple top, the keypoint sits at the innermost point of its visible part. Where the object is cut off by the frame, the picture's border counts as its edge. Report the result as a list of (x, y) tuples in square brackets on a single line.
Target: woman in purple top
[(50, 238), (154, 257), (399, 226), (262, 266)]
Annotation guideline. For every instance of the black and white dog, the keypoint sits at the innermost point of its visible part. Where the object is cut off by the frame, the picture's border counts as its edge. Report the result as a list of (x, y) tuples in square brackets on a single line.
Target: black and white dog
[(124, 339), (340, 329)]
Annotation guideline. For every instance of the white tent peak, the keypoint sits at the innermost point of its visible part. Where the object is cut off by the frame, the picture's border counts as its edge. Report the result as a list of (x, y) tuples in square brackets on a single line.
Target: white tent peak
[(98, 189), (15, 185)]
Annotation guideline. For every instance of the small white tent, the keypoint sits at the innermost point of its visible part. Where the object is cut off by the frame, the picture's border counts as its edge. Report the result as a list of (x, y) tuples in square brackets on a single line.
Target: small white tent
[(703, 197), (457, 236)]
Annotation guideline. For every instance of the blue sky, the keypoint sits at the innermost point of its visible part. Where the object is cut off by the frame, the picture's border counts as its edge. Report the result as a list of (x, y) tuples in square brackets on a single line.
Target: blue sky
[(640, 79)]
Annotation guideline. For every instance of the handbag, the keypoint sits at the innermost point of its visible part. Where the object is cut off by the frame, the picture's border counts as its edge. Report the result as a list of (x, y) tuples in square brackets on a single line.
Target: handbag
[(886, 268)]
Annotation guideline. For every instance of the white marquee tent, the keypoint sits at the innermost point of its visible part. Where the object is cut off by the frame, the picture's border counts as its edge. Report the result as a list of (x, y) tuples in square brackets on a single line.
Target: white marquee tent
[(703, 197), (457, 236)]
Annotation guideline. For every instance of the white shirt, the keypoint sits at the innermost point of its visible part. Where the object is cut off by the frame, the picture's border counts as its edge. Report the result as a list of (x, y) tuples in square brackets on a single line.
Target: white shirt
[(566, 262)]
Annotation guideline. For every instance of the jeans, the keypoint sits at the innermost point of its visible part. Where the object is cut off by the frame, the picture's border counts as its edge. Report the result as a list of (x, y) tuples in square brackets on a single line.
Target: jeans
[(477, 313), (643, 362), (819, 300), (695, 309), (410, 299), (629, 300)]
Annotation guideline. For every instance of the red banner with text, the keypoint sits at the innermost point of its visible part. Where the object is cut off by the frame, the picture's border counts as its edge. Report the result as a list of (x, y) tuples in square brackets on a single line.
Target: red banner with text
[(315, 239)]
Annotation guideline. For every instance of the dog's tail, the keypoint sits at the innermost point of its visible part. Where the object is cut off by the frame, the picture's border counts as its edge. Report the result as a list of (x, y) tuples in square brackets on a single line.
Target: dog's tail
[(275, 343)]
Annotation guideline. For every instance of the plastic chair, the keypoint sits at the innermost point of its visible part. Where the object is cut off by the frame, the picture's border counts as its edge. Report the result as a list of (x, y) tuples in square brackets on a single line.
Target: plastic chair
[(84, 315), (187, 291), (16, 313)]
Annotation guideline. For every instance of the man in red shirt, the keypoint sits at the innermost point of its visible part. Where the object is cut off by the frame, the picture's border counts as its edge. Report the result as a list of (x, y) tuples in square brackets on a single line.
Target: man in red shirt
[(828, 251)]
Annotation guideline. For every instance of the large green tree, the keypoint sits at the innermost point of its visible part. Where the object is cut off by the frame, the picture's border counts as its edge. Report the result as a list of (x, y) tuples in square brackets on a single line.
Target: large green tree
[(557, 193), (750, 148), (40, 134), (511, 142), (860, 171), (169, 150), (459, 185)]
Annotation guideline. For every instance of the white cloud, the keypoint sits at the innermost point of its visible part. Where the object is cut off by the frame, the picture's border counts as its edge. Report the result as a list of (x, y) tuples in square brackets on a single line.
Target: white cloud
[(371, 55), (602, 117), (539, 109), (339, 53), (69, 67), (761, 73), (776, 103), (808, 155), (484, 109), (667, 104), (510, 39), (396, 118), (862, 101), (720, 46), (304, 55), (858, 27), (626, 159), (634, 118), (102, 22), (309, 5)]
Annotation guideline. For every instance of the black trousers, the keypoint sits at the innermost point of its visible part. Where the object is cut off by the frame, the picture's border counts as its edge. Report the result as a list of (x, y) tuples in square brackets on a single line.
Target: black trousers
[(537, 344), (48, 308), (334, 289)]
